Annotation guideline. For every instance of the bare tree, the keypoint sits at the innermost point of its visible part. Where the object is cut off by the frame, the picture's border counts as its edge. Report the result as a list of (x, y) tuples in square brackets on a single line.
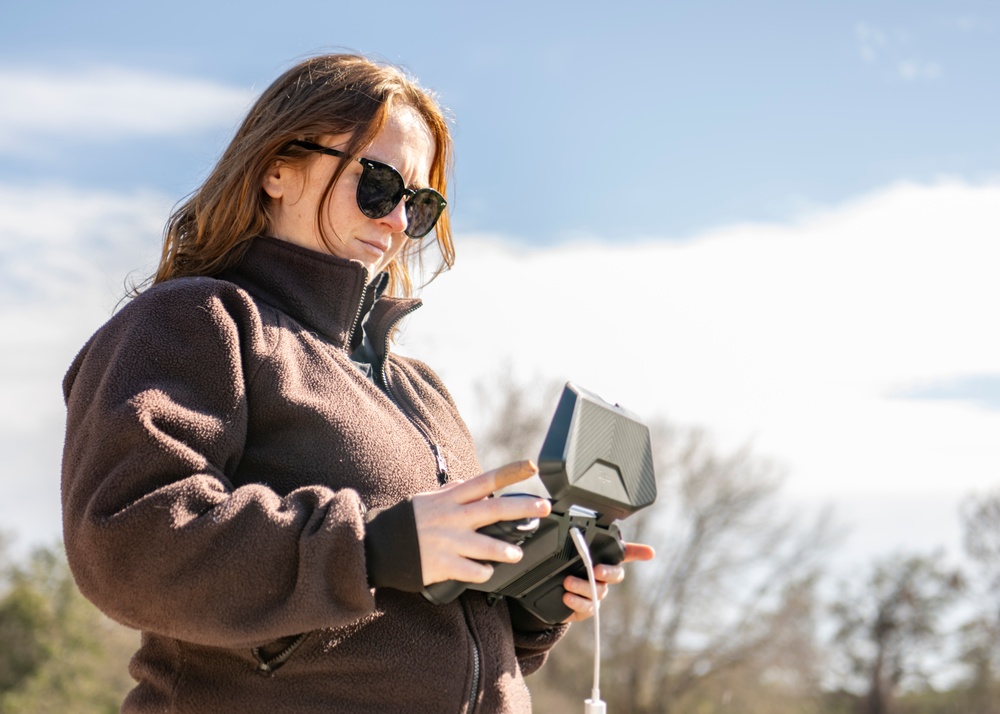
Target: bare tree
[(889, 630), (980, 642), (511, 417), (981, 522), (731, 589), (980, 636)]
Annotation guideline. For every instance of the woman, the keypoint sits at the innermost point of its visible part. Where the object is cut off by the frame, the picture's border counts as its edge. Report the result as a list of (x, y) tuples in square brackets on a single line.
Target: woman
[(253, 479)]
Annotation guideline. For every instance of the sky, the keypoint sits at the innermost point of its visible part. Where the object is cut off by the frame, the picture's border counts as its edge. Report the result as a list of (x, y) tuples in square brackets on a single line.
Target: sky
[(775, 221)]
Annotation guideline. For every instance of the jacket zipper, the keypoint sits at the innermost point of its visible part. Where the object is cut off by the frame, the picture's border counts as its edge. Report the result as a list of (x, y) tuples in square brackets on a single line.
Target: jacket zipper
[(442, 475), (475, 677), (357, 313), (439, 459), (268, 666)]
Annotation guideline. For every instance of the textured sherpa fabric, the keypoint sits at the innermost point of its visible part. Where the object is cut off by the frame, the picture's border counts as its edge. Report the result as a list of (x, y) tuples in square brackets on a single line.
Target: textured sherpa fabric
[(223, 460)]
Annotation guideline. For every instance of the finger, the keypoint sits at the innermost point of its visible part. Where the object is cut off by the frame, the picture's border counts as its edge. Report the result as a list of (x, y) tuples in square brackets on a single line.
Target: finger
[(481, 547), (581, 587), (509, 474), (468, 559), (611, 574), (485, 484), (508, 508), (582, 607), (454, 567), (638, 551)]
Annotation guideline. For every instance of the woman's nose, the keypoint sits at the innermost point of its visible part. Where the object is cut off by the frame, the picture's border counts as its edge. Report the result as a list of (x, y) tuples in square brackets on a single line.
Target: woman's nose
[(396, 218)]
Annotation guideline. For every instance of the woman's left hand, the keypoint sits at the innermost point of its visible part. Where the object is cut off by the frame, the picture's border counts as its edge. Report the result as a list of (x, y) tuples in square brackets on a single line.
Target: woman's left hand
[(577, 596)]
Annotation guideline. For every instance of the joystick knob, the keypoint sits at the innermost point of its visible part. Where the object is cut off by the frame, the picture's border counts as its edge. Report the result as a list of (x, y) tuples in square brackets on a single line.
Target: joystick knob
[(515, 532)]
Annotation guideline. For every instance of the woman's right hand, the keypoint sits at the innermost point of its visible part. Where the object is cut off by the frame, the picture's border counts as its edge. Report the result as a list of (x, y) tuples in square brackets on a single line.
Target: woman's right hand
[(447, 520)]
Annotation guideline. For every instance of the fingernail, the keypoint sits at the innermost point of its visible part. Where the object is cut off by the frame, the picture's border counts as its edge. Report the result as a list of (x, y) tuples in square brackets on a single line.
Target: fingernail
[(514, 553)]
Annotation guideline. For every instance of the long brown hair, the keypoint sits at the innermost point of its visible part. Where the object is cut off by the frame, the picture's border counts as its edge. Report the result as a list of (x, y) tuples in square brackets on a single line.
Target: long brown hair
[(324, 95)]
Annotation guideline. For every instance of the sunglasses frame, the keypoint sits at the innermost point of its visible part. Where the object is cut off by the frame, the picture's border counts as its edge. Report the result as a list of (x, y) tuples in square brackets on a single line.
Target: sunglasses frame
[(405, 193)]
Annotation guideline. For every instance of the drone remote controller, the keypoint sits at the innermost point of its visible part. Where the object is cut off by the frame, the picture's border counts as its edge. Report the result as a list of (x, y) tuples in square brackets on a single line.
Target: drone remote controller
[(595, 467)]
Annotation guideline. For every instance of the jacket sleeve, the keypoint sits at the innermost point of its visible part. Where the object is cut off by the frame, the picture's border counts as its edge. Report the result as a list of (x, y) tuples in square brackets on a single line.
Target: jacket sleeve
[(533, 638), (156, 534)]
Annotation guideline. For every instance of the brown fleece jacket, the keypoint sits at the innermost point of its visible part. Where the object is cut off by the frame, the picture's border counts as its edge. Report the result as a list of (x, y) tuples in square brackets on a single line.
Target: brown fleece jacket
[(233, 486)]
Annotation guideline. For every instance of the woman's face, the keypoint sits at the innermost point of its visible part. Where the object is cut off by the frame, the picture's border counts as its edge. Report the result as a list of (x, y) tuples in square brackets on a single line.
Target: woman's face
[(296, 192)]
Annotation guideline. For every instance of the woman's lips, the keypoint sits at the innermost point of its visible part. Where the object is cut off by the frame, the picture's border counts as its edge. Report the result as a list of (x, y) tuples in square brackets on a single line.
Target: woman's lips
[(376, 246)]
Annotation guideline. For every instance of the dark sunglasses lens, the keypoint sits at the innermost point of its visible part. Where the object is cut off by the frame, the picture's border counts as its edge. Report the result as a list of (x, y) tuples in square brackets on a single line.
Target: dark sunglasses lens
[(422, 211), (380, 189)]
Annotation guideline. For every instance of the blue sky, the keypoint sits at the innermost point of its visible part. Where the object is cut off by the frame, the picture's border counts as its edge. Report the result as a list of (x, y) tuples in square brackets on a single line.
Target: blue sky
[(788, 211), (653, 119)]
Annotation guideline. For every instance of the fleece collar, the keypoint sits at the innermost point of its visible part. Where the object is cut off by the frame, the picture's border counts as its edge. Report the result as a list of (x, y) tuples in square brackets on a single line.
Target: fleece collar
[(322, 292)]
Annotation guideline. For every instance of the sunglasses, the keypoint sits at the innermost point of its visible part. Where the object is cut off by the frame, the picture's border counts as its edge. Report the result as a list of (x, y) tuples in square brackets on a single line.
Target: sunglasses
[(381, 188)]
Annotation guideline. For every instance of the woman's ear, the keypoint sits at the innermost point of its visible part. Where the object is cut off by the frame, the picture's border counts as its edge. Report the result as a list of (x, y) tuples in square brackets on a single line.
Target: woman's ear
[(279, 179)]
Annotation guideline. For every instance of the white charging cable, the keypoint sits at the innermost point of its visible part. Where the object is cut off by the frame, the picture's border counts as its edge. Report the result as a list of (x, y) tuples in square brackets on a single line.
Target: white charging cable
[(594, 705)]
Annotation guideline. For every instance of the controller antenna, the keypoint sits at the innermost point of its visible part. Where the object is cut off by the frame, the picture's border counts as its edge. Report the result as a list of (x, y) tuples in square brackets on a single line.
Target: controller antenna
[(594, 705)]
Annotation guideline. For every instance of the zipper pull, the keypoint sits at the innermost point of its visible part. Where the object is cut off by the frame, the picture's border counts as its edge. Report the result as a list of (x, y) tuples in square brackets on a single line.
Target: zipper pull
[(442, 464)]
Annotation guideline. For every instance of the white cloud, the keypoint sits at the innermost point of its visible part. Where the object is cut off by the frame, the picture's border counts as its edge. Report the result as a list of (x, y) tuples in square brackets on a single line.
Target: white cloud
[(58, 243), (870, 39), (876, 45), (797, 337), (64, 255), (107, 103)]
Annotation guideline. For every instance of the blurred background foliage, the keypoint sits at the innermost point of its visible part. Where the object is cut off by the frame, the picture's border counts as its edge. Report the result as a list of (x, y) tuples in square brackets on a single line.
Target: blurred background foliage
[(59, 654)]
